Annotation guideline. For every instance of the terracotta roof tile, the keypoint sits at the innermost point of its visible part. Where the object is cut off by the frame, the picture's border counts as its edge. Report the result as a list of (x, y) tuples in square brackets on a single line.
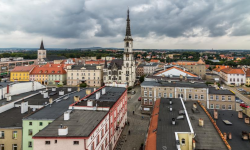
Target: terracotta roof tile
[(23, 68), (233, 71), (49, 69)]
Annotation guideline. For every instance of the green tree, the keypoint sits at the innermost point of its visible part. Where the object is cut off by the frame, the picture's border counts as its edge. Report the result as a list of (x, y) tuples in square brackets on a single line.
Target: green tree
[(141, 78)]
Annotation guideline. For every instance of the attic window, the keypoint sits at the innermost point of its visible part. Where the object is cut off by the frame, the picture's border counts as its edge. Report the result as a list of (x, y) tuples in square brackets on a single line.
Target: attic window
[(53, 71), (46, 71), (40, 71), (58, 71)]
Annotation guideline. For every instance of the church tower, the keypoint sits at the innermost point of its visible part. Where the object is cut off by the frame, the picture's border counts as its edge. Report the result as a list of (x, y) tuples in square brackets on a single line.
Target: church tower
[(128, 68), (41, 54)]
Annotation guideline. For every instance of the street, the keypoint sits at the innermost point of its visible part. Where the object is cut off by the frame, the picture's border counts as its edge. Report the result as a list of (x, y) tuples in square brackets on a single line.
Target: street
[(137, 125)]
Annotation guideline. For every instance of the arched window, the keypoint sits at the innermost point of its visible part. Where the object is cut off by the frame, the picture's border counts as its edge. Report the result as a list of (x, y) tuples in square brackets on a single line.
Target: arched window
[(183, 141), (127, 44)]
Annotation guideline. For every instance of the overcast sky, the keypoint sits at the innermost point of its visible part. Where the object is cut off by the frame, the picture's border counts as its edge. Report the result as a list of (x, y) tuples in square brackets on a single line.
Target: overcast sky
[(164, 24)]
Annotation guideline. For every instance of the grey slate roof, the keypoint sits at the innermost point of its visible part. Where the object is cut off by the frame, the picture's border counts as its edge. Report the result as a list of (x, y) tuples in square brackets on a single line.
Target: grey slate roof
[(88, 67), (80, 124), (238, 125), (106, 100), (165, 130), (206, 137), (151, 64), (118, 62), (173, 84), (12, 118), (56, 109), (212, 90)]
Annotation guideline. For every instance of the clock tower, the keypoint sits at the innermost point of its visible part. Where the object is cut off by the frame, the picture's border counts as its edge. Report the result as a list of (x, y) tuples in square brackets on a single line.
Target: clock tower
[(128, 68)]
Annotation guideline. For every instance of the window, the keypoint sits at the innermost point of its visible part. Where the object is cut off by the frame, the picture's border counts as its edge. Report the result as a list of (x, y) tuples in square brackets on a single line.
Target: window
[(181, 90), (55, 141), (150, 93), (180, 95), (1, 146), (150, 101), (76, 142), (30, 144), (40, 123), (211, 106), (195, 96), (202, 96), (217, 97), (217, 106), (190, 96), (223, 107), (145, 101), (223, 98), (14, 146), (211, 97), (14, 135), (183, 141), (229, 98), (170, 95), (2, 135), (30, 132), (30, 123), (97, 140), (145, 93), (159, 94), (165, 95), (229, 107), (47, 142)]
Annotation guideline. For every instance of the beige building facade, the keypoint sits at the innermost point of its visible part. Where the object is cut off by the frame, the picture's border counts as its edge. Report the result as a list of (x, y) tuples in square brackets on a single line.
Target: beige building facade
[(89, 74), (152, 90), (10, 138)]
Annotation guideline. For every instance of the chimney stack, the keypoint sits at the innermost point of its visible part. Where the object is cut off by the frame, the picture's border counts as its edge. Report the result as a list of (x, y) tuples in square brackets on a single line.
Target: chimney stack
[(78, 88), (240, 115), (215, 114), (97, 95), (195, 106), (61, 92), (90, 103), (201, 122), (247, 120), (69, 89), (50, 100), (225, 135), (67, 115), (103, 91), (230, 136), (76, 98), (88, 91), (24, 107), (63, 130), (173, 121)]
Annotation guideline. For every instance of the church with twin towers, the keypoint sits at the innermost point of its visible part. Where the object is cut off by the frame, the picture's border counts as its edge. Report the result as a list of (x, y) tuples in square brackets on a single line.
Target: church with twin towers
[(121, 72)]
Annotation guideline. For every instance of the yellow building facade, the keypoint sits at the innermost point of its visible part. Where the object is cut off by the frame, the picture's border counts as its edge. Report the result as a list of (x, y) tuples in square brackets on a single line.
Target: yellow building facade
[(11, 138), (21, 73)]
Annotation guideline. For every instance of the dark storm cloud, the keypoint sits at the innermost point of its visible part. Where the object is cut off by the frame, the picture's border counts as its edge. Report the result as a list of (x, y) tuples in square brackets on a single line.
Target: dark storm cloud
[(86, 18)]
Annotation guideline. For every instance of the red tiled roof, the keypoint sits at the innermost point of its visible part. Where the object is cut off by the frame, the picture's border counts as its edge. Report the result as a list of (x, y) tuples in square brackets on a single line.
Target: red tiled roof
[(219, 68), (151, 138), (233, 71), (49, 69), (177, 69), (248, 73), (23, 68), (155, 60)]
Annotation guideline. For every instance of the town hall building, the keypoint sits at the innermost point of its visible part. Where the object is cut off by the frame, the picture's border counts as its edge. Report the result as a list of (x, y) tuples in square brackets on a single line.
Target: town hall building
[(121, 72)]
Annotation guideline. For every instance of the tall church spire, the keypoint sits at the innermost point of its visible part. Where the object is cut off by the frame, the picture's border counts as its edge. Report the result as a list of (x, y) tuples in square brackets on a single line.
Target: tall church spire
[(41, 46), (128, 32)]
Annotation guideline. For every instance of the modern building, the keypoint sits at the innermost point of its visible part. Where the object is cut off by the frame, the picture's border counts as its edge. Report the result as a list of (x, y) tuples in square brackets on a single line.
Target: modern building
[(121, 72), (181, 125), (233, 76), (189, 91), (21, 73), (89, 74), (51, 74)]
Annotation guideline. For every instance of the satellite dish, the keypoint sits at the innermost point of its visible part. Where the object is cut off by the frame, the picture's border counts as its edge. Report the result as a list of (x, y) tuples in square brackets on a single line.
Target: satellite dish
[(34, 109)]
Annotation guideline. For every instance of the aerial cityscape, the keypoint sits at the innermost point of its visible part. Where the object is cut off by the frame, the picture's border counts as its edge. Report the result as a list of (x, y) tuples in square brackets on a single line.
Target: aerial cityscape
[(125, 75)]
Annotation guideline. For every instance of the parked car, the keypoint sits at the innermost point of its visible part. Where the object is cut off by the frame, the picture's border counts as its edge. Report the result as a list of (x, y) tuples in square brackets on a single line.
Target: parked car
[(139, 99), (244, 105), (239, 101)]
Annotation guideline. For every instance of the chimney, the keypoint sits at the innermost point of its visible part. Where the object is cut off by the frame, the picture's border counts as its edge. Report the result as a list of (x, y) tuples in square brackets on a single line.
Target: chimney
[(90, 103), (247, 120), (181, 77), (201, 122), (94, 89), (67, 115), (24, 107), (98, 95), (45, 95), (215, 114), (173, 121), (88, 91), (61, 92), (170, 108), (8, 97), (240, 115), (69, 89), (76, 98), (230, 136), (63, 130), (50, 100), (195, 106), (170, 102), (54, 89), (103, 91), (225, 135)]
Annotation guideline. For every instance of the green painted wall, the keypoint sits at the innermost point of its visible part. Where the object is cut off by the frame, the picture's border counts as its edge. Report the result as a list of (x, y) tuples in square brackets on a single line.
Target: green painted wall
[(36, 127)]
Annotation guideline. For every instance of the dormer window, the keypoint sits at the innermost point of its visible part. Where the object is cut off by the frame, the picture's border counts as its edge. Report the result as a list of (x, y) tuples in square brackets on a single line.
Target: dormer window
[(53, 71), (40, 71), (46, 71), (58, 71)]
